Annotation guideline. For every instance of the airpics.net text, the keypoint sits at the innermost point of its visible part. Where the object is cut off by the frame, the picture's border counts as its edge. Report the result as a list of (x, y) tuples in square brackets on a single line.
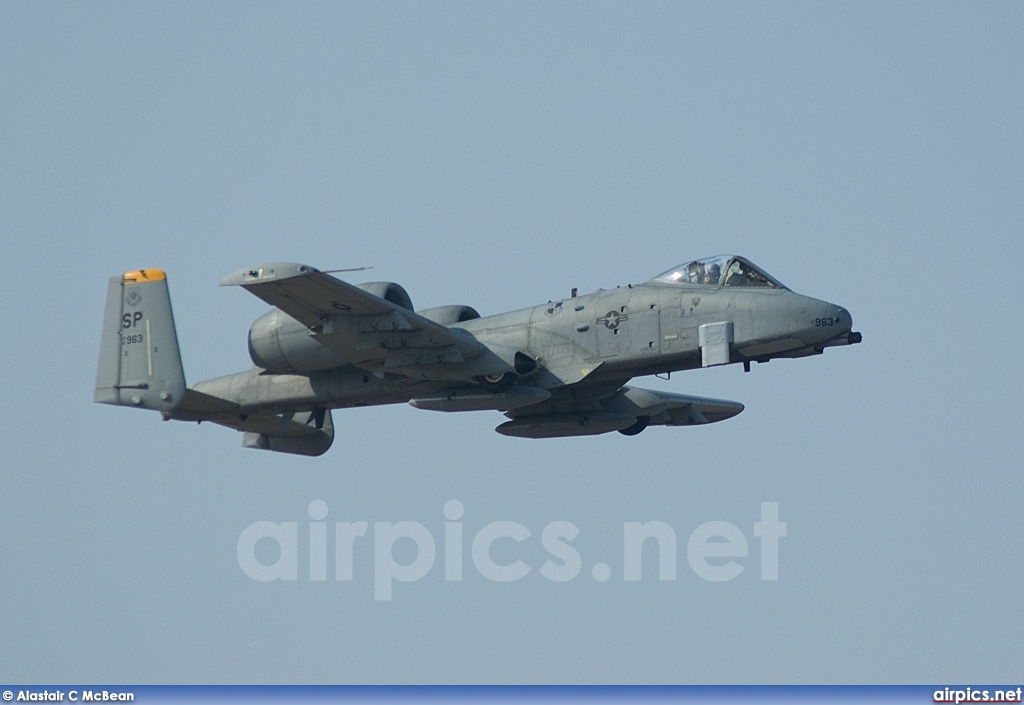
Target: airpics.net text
[(711, 549)]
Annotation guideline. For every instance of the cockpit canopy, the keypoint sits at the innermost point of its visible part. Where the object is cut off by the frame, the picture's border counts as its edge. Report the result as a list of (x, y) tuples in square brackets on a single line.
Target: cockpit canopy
[(723, 270)]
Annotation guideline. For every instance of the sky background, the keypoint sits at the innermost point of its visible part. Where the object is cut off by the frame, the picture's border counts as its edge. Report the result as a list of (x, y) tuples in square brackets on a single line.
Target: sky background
[(497, 155)]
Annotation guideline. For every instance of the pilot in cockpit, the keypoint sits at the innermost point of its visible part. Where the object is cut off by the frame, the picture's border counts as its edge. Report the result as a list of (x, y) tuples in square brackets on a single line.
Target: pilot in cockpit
[(712, 274)]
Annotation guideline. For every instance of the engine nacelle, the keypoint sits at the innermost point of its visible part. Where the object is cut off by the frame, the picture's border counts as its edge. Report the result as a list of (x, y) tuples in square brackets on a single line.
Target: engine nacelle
[(450, 315), (279, 343), (389, 291)]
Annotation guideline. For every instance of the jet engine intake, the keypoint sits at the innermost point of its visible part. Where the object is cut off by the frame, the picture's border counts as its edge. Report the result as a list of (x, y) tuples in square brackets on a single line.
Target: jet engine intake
[(450, 315), (389, 291)]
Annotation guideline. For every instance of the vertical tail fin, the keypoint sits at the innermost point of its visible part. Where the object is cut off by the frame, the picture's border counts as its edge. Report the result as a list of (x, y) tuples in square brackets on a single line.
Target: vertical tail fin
[(140, 364)]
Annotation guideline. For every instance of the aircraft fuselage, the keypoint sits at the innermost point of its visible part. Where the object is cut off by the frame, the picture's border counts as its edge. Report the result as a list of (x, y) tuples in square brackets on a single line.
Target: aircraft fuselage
[(612, 334)]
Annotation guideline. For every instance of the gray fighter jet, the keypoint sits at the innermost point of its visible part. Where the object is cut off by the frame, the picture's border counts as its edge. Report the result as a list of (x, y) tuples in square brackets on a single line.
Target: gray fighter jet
[(558, 369)]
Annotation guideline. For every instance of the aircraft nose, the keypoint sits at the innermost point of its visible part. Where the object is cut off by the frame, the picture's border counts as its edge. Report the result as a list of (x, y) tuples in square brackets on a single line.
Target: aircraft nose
[(830, 321)]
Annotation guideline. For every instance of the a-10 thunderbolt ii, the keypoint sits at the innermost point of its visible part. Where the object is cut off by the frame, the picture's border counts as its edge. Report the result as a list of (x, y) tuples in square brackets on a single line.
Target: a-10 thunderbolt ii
[(558, 369)]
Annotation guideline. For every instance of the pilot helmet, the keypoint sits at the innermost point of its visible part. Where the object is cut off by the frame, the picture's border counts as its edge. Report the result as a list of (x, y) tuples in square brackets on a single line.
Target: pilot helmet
[(712, 274)]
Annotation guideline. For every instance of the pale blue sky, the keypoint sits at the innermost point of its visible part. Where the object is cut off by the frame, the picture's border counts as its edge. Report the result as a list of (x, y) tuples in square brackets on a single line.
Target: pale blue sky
[(497, 155)]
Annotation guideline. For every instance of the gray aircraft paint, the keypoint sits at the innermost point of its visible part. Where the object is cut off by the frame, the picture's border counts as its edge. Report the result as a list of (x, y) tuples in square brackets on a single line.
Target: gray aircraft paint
[(140, 364), (559, 369)]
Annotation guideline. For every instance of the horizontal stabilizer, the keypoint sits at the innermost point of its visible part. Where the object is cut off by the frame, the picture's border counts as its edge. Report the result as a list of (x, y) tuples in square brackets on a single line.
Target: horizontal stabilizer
[(197, 406), (299, 432)]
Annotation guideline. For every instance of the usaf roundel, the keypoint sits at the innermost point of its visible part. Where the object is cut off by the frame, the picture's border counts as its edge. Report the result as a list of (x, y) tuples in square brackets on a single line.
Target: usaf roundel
[(612, 319)]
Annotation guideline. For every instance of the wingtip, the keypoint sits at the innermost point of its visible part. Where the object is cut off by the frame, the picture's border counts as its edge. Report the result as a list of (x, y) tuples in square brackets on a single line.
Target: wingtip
[(267, 272)]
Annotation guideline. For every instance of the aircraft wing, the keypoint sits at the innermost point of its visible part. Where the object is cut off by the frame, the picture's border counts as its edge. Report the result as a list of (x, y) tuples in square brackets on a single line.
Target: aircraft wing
[(364, 329), (305, 293), (671, 409)]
